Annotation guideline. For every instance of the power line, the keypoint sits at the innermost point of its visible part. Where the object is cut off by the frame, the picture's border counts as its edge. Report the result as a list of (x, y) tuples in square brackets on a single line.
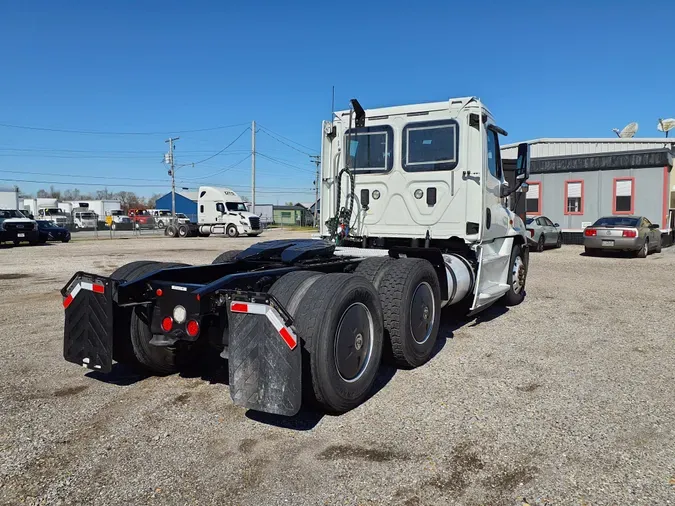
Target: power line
[(289, 140), (219, 152), (79, 175), (220, 171), (100, 132), (284, 143), (108, 151), (276, 160)]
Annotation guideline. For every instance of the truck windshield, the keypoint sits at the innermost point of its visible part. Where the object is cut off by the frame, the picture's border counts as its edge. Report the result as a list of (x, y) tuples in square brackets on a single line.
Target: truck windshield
[(430, 145), (370, 148), (54, 211), (164, 213), (236, 206), (117, 212), (10, 213), (87, 216)]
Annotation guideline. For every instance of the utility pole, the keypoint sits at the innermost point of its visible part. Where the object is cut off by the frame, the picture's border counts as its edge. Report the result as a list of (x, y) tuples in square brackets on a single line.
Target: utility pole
[(253, 166), (317, 160), (168, 158)]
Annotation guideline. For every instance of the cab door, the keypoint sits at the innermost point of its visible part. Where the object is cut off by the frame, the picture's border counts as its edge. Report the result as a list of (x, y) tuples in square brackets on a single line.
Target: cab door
[(493, 225)]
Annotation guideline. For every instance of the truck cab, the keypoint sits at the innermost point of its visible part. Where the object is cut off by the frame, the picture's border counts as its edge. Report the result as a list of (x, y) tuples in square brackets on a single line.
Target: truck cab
[(423, 175), (141, 218), (54, 214), (84, 218), (117, 219), (221, 210), (16, 228)]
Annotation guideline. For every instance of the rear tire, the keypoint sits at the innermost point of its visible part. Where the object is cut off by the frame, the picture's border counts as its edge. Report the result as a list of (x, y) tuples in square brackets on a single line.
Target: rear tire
[(517, 273), (171, 231), (231, 231), (183, 231), (411, 303), (373, 269), (339, 319), (590, 251), (227, 256), (541, 243), (644, 251), (658, 246), (131, 342)]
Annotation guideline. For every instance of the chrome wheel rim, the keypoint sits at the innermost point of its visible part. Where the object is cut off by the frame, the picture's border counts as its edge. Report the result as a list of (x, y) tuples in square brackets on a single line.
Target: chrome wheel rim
[(354, 342), (422, 313), (518, 275)]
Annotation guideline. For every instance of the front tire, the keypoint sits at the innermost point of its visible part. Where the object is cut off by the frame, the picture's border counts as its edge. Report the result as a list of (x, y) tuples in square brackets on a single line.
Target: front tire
[(231, 231), (558, 244), (516, 278)]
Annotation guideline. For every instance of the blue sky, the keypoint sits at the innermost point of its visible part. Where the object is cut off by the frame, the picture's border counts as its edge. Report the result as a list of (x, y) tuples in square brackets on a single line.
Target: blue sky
[(545, 69)]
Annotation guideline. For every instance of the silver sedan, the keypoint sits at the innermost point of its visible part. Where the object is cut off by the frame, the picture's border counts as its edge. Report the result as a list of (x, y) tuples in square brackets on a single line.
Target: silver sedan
[(543, 232), (623, 233)]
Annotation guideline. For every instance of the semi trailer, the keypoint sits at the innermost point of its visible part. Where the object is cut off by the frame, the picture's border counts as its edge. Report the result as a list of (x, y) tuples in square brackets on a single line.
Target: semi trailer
[(416, 223)]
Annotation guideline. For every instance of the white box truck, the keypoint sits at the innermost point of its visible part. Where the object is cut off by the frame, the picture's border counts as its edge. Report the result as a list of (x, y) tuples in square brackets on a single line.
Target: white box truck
[(48, 210), (9, 198)]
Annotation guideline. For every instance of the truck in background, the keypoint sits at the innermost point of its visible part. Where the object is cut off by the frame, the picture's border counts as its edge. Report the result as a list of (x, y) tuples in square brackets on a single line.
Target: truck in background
[(15, 227), (141, 219), (48, 210), (84, 218), (219, 211), (116, 219), (9, 198)]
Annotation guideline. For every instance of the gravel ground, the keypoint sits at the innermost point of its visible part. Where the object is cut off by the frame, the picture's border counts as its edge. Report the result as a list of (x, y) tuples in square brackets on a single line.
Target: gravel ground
[(565, 399)]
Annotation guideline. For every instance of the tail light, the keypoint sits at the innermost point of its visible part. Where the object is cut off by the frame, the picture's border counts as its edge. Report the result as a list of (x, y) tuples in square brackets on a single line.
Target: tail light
[(630, 233), (531, 231), (590, 232), (192, 328), (167, 324)]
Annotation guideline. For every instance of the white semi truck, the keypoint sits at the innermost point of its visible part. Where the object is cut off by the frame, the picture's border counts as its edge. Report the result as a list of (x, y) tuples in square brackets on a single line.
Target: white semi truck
[(415, 222), (219, 211)]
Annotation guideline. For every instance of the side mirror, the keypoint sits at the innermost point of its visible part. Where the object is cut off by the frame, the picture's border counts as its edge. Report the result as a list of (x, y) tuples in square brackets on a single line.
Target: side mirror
[(505, 191), (654, 226), (523, 162), (556, 225)]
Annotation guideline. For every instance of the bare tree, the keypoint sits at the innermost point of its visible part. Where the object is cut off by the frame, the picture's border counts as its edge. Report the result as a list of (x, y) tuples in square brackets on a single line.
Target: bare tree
[(41, 194)]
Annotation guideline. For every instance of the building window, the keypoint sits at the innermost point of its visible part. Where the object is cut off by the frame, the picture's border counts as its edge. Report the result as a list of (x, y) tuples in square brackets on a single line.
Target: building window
[(533, 199), (574, 197), (624, 197)]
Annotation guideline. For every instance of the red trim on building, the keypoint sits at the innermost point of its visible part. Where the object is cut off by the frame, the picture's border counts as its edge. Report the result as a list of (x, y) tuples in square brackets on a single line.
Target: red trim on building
[(666, 197), (540, 209), (581, 207), (632, 195)]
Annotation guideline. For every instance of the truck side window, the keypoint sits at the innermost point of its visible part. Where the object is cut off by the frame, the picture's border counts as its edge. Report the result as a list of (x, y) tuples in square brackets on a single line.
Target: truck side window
[(493, 154), (220, 207), (201, 208)]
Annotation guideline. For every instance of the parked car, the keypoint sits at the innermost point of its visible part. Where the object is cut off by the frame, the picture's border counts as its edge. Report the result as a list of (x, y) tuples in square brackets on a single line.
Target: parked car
[(48, 231), (543, 232), (623, 233), (182, 218), (16, 228)]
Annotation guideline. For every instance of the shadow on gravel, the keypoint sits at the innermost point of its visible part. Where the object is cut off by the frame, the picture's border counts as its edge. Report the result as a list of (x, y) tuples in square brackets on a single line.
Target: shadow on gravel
[(210, 368), (306, 419), (494, 311), (120, 375)]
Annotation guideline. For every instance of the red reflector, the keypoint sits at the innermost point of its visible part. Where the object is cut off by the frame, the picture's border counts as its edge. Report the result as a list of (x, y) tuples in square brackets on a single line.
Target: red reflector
[(98, 288), (159, 292), (67, 301), (287, 337), (531, 233), (199, 297), (167, 324), (629, 233), (192, 328), (590, 232), (239, 307)]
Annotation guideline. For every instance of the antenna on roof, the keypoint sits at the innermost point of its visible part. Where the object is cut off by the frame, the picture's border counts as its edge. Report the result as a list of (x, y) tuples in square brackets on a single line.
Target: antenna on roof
[(666, 125), (627, 132)]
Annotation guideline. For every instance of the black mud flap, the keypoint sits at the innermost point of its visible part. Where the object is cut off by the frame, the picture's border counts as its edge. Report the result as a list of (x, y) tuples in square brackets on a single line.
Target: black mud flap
[(265, 360), (88, 331)]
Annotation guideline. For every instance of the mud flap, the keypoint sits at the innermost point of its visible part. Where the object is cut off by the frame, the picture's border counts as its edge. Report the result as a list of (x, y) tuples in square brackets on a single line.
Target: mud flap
[(88, 330), (265, 362)]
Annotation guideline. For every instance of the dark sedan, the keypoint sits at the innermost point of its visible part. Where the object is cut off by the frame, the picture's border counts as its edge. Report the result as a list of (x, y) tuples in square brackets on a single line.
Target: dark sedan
[(50, 232)]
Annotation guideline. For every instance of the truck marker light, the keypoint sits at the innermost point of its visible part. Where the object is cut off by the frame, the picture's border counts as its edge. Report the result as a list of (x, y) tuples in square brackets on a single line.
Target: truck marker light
[(192, 328), (159, 292), (82, 285), (167, 324), (272, 315)]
